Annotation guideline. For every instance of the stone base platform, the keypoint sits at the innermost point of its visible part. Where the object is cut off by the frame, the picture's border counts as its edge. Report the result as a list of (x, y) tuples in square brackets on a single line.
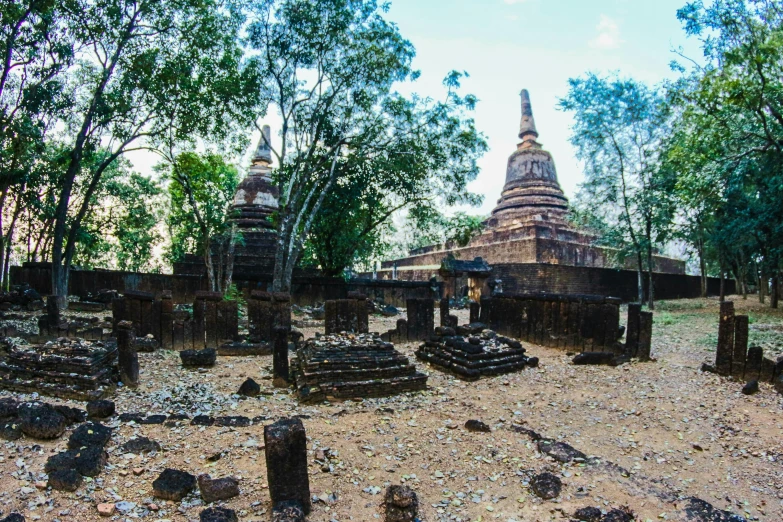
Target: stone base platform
[(471, 357), (352, 366), (66, 368)]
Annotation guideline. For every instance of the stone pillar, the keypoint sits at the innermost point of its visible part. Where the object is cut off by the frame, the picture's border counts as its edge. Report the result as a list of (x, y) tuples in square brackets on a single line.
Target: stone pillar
[(725, 352), (166, 320), (260, 317), (421, 319), (401, 504), (753, 363), (286, 462), (645, 336), (475, 311), (281, 310), (444, 311), (128, 358), (280, 371), (740, 352), (632, 330)]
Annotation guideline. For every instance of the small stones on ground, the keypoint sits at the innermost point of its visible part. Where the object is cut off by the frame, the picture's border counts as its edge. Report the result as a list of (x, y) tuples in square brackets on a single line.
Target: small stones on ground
[(173, 484), (249, 388), (198, 358), (560, 451), (546, 485), (218, 514), (213, 490), (477, 426), (618, 515), (100, 409), (750, 388), (595, 358), (140, 445), (106, 509), (65, 480)]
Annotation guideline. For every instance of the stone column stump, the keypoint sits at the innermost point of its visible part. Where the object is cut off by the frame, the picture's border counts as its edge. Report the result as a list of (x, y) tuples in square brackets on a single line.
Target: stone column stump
[(128, 357), (286, 463), (280, 371)]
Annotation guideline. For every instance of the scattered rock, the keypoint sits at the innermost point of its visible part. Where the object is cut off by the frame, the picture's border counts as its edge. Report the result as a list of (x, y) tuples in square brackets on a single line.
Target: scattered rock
[(618, 515), (91, 460), (560, 451), (218, 514), (779, 384), (477, 426), (72, 415), (596, 358), (14, 517), (173, 484), (140, 445), (198, 358), (106, 509), (101, 409), (41, 421), (249, 388), (389, 311), (698, 510), (65, 480), (546, 485), (750, 388), (10, 429), (62, 460), (401, 504), (217, 489), (89, 434), (588, 514), (8, 408)]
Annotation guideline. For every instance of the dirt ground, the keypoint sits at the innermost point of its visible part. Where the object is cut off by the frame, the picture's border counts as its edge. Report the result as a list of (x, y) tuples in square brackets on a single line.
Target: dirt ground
[(662, 431)]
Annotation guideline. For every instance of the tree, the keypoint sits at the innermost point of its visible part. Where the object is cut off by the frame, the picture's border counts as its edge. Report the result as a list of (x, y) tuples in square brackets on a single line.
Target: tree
[(201, 192), (619, 125), (144, 72), (328, 67), (731, 132)]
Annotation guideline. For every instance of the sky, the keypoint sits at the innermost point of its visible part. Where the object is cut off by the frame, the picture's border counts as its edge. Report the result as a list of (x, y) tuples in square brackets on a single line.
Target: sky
[(508, 45)]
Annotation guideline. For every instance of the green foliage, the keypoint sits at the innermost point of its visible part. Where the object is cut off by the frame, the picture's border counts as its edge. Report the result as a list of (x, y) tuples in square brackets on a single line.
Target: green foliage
[(619, 126), (329, 68), (201, 190)]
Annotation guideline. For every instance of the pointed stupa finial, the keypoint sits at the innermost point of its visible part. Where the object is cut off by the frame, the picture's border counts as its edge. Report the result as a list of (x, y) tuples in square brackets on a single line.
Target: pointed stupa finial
[(527, 125), (264, 150)]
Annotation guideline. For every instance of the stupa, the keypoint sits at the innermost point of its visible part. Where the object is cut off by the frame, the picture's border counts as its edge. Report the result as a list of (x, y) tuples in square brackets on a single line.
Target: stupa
[(528, 224), (255, 200)]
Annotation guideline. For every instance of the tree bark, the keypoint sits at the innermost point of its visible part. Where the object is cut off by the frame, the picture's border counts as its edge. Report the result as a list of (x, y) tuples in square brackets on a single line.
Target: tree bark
[(773, 299), (722, 285), (702, 267)]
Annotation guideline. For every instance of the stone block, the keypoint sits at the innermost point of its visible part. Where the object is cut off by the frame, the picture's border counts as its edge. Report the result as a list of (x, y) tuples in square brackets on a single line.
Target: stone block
[(286, 462)]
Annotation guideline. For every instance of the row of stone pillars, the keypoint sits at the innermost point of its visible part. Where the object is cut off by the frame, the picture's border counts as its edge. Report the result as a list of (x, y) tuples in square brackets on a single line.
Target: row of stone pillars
[(733, 357)]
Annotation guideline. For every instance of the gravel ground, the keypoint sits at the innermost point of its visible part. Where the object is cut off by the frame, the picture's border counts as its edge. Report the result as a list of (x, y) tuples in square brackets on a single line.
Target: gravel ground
[(660, 432)]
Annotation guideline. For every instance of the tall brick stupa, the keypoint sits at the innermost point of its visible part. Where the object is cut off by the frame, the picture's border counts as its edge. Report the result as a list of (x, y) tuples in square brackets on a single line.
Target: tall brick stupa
[(528, 224)]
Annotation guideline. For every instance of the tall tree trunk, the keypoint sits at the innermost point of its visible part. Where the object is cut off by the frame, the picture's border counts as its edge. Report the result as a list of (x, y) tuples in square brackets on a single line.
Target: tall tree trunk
[(640, 277), (9, 241), (722, 284), (773, 299), (702, 267), (229, 269), (650, 289), (763, 288)]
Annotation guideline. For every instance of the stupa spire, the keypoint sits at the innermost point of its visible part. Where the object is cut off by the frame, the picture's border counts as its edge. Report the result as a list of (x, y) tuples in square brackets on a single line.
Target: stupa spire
[(527, 125), (263, 153)]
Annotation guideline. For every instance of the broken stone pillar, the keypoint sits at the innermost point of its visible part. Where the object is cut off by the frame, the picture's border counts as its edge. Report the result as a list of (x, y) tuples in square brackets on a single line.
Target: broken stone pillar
[(166, 320), (475, 311), (753, 363), (401, 504), (645, 336), (740, 352), (632, 330), (286, 463), (281, 309), (260, 318), (280, 369), (128, 358), (446, 319), (421, 319), (725, 352)]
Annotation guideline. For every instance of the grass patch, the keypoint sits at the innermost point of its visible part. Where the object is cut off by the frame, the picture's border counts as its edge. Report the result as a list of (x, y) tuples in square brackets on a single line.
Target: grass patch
[(665, 318), (679, 305)]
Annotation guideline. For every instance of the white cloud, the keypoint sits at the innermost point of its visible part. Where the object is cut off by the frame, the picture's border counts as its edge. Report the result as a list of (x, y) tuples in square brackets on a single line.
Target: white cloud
[(608, 34)]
